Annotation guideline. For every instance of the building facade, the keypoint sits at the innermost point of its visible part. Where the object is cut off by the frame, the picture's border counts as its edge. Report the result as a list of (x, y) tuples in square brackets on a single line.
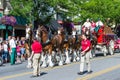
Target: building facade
[(5, 31)]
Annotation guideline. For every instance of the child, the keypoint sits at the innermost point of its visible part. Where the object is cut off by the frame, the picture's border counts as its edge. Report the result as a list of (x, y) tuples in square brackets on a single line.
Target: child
[(18, 53), (5, 53), (22, 50)]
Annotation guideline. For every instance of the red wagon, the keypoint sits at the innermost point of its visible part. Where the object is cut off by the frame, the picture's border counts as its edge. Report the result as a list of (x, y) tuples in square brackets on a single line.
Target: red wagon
[(105, 41)]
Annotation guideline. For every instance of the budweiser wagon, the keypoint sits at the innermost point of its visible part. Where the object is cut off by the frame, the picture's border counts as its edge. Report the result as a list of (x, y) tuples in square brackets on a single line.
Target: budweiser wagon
[(105, 41)]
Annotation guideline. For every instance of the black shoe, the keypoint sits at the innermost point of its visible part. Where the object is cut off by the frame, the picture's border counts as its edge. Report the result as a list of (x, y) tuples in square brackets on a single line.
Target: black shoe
[(80, 73), (89, 72), (34, 76)]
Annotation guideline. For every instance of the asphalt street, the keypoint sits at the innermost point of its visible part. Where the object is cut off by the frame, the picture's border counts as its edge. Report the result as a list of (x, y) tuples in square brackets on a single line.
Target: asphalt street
[(104, 68)]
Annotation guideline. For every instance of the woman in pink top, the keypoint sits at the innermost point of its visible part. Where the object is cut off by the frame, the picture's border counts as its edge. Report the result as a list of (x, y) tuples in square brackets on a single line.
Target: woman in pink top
[(18, 52), (85, 54)]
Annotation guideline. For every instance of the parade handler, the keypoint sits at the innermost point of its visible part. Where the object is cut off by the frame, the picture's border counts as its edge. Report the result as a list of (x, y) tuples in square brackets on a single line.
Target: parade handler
[(35, 56), (85, 54), (13, 54)]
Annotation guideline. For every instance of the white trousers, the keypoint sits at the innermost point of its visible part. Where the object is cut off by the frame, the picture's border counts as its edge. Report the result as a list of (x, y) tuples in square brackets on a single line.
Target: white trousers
[(36, 64), (85, 58)]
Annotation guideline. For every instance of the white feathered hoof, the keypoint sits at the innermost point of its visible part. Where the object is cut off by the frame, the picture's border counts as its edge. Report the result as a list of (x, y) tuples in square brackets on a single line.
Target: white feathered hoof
[(67, 61), (51, 64), (74, 60), (105, 54), (60, 63), (44, 65), (78, 59), (29, 66)]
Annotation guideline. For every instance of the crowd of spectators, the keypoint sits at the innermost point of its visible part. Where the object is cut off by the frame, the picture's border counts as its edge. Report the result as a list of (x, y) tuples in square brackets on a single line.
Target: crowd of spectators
[(5, 50)]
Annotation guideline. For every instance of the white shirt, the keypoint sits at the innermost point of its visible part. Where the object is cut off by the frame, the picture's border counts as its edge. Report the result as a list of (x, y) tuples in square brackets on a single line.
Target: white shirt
[(5, 47), (87, 25), (12, 44), (99, 23)]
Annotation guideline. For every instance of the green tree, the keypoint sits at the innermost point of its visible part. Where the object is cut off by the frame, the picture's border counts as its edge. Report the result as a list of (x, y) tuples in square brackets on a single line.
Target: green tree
[(101, 9), (43, 10)]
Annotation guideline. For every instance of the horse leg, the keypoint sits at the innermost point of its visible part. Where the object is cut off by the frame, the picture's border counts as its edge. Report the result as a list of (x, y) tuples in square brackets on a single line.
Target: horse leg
[(42, 57), (78, 55), (70, 52), (91, 55), (61, 59), (49, 56), (74, 56), (50, 60), (93, 51), (67, 57), (44, 64), (54, 57)]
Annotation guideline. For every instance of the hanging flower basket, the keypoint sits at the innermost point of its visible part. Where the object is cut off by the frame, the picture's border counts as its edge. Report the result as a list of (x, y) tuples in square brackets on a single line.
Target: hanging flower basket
[(8, 20)]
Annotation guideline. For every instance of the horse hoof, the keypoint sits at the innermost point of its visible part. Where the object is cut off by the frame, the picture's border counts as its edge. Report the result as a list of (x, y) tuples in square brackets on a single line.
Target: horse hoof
[(29, 66), (67, 61), (60, 63), (74, 60), (78, 59), (48, 62), (51, 65), (44, 66)]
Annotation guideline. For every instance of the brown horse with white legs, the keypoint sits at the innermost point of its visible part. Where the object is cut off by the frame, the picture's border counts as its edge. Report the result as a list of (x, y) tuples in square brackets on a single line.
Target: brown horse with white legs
[(28, 41), (60, 45), (42, 34), (74, 45)]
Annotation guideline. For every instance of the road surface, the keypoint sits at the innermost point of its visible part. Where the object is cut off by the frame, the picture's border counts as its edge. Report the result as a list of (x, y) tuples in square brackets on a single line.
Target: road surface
[(104, 68)]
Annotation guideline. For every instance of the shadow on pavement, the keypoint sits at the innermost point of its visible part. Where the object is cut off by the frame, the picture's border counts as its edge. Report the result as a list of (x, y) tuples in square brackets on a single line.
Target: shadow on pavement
[(85, 72), (42, 73), (2, 65)]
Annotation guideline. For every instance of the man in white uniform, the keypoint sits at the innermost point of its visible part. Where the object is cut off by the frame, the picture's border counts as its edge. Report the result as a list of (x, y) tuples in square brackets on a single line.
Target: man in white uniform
[(12, 44), (99, 23), (87, 24)]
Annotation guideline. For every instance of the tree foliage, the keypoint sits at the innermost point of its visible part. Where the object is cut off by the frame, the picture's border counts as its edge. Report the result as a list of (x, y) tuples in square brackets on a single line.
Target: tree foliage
[(43, 10), (101, 9), (77, 10), (21, 7)]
